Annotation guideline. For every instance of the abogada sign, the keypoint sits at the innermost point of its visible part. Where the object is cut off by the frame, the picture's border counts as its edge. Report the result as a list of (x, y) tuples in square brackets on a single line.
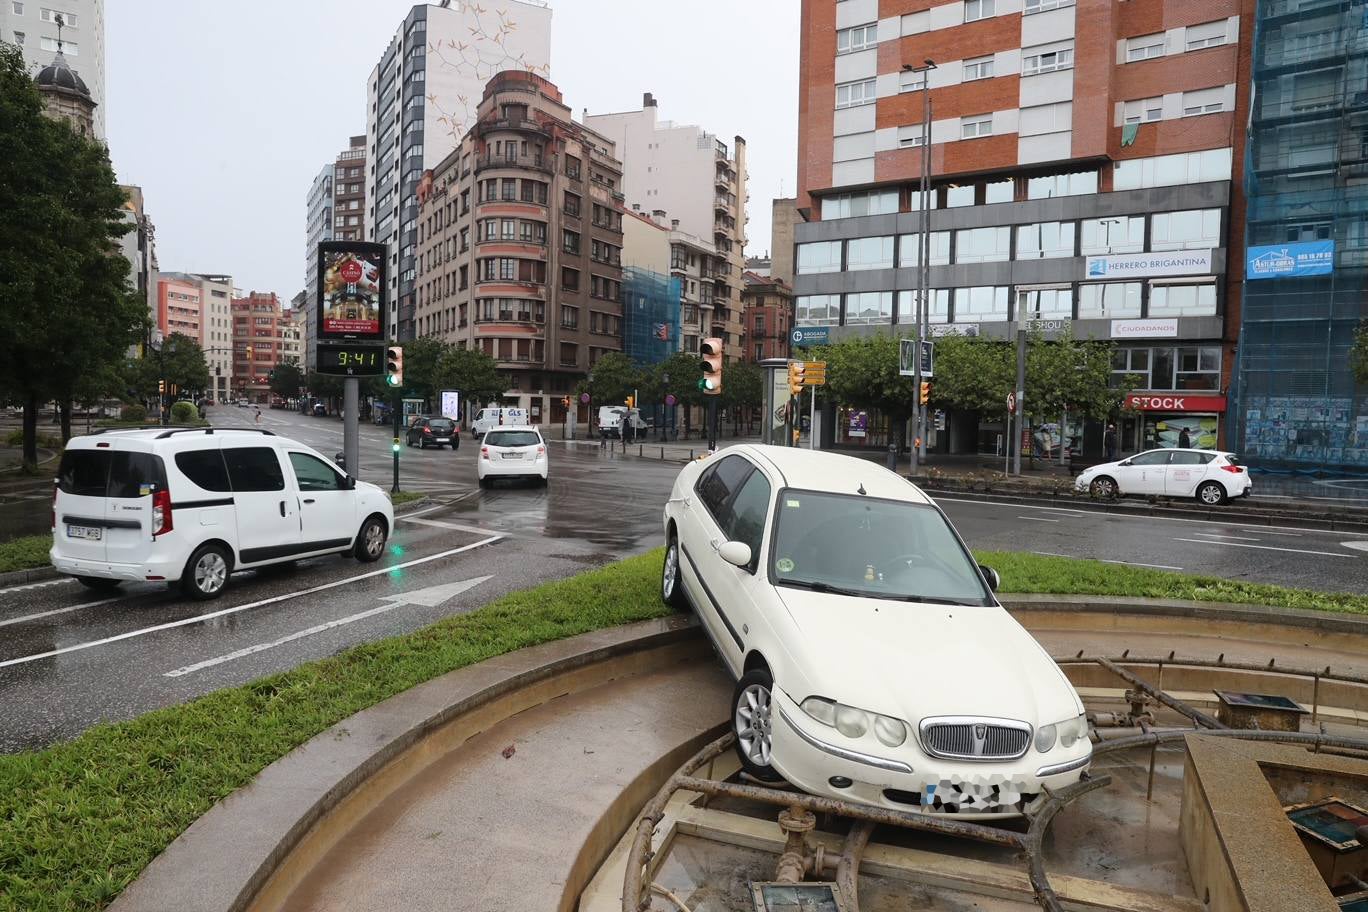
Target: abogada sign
[(1146, 265)]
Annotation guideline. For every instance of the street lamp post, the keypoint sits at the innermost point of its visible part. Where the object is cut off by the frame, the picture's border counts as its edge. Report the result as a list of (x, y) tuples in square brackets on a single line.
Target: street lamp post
[(923, 314)]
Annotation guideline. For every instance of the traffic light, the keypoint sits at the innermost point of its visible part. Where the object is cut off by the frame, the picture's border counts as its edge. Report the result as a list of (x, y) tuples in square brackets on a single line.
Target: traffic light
[(711, 352), (925, 392), (631, 401), (395, 445), (795, 379), (394, 366), (161, 387), (565, 401)]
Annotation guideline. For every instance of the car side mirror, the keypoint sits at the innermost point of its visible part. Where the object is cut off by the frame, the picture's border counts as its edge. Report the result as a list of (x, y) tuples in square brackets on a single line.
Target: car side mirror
[(736, 553), (1124, 462), (991, 575)]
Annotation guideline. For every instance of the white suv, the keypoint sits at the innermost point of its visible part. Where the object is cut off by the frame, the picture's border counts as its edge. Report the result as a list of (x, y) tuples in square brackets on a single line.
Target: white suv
[(194, 504)]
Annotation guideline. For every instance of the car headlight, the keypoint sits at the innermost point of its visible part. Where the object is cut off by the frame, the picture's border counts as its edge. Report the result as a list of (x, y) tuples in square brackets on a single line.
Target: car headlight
[(853, 722), (1045, 738), (1072, 731)]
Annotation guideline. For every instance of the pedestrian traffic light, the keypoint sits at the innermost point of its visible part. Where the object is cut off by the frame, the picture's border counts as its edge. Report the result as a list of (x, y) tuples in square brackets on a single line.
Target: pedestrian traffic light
[(795, 377), (925, 392), (394, 366), (711, 352), (631, 401)]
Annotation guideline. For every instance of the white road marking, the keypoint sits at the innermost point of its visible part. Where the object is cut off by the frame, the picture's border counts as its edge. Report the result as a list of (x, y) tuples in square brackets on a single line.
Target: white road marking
[(1263, 531), (1209, 522), (431, 597), (1356, 545), (440, 524), (42, 585), (200, 618), (1223, 536), (43, 614), (1138, 564), (1037, 518), (1230, 544)]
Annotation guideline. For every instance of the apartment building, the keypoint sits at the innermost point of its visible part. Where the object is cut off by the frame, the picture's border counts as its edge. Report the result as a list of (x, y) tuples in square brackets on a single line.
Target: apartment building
[(767, 304), (139, 247), (650, 295), (179, 307), (696, 262), (259, 345), (421, 100), (336, 209), (690, 173), (519, 238), (31, 25), (1306, 223), (1087, 163)]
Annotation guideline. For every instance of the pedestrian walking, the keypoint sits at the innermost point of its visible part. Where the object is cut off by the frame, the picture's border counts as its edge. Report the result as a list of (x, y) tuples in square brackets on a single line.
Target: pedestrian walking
[(1109, 442), (1184, 439), (258, 416)]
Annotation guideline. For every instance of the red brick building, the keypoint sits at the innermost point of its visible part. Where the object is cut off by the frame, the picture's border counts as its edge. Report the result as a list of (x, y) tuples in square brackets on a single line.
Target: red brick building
[(767, 314), (258, 343)]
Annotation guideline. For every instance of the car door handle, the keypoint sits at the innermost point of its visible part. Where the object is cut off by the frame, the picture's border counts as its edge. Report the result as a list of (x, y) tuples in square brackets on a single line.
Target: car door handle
[(308, 500), (282, 508)]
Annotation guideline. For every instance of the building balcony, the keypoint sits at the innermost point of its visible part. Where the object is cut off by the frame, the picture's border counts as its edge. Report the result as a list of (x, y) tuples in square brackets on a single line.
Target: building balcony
[(515, 163), (521, 125)]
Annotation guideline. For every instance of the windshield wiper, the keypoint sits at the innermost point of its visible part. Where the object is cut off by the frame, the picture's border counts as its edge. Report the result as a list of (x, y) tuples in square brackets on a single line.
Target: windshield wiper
[(823, 587), (928, 599)]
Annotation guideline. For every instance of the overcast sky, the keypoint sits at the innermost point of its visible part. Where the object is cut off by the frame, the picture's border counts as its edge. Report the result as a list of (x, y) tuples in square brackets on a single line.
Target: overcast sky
[(224, 112)]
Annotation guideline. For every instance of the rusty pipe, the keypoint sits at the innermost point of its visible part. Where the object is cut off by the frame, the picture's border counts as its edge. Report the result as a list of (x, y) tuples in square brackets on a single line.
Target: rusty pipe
[(1035, 836), (796, 823), (670, 897), (1313, 739), (848, 870), (1292, 671), (1174, 703)]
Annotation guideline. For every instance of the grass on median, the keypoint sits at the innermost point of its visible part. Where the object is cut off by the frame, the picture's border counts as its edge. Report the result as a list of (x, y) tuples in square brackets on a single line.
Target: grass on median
[(27, 553), (403, 497), (80, 820)]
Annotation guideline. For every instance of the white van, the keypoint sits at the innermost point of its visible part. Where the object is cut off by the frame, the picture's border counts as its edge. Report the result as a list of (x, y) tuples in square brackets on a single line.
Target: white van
[(610, 420), (193, 505), (488, 418)]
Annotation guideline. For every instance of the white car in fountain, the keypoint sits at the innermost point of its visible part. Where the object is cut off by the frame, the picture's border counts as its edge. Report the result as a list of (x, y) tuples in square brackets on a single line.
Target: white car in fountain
[(873, 662)]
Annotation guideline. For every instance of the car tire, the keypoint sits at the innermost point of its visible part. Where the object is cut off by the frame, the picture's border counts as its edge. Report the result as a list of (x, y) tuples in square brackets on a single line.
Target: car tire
[(206, 572), (752, 705), (671, 585), (370, 540), (1211, 494), (1104, 488), (98, 583)]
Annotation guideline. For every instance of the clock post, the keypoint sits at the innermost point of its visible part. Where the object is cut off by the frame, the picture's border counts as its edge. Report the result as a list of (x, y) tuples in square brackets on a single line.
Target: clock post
[(351, 424)]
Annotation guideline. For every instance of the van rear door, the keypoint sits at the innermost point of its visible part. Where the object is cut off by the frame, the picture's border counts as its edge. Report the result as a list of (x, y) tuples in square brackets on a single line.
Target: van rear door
[(136, 479), (82, 479)]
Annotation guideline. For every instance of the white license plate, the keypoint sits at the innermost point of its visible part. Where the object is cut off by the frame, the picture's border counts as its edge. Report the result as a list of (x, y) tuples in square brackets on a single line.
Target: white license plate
[(444, 440), (512, 455), (90, 533)]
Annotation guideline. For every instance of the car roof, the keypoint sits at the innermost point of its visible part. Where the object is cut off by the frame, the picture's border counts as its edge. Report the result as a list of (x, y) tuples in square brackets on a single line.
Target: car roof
[(514, 427), (149, 437), (818, 470)]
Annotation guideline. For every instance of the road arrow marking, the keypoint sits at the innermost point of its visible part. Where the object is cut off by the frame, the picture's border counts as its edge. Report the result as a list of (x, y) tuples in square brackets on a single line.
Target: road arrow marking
[(1356, 545), (431, 597)]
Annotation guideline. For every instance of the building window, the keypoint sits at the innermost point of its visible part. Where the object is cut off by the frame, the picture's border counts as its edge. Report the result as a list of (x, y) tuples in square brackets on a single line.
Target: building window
[(50, 15), (1171, 170), (1182, 300), (570, 279), (569, 317), (572, 204), (869, 253), (1045, 240), (1144, 47), (851, 205), (975, 10), (939, 299), (909, 249), (69, 48), (822, 256), (1047, 58), (975, 126), (1209, 34), (857, 38), (983, 304), (1045, 303), (18, 8), (1130, 361), (1040, 6), (911, 80), (510, 188), (1193, 229), (978, 68), (911, 137), (853, 94), (570, 242), (1119, 234), (869, 307), (19, 38), (955, 197), (1143, 110), (1078, 184), (572, 167), (1000, 191), (983, 245), (1204, 101), (1198, 369), (817, 310)]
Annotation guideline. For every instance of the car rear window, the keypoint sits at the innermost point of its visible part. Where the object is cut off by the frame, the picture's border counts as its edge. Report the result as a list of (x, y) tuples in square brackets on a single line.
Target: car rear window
[(205, 468), (512, 438), (110, 473), (439, 424)]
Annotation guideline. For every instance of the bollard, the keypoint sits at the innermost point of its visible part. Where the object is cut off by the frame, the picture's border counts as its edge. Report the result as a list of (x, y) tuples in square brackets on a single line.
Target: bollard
[(662, 453), (641, 450), (893, 457)]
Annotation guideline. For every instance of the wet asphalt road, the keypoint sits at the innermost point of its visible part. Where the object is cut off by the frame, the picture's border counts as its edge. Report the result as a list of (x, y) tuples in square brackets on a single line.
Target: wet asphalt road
[(70, 658)]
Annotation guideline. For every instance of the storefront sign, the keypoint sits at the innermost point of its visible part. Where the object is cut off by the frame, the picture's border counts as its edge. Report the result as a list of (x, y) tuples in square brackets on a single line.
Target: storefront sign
[(1145, 329), (1146, 265), (1279, 261), (1047, 326), (1176, 402)]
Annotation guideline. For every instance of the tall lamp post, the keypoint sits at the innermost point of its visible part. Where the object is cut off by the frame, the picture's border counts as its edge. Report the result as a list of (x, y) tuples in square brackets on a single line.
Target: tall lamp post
[(923, 314)]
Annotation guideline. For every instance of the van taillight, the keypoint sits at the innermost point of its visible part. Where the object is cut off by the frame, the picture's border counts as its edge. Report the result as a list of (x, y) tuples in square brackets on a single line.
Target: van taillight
[(161, 512)]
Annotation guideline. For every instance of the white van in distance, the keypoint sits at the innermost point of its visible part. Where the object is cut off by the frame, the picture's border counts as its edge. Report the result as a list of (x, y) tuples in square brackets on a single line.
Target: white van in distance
[(488, 418)]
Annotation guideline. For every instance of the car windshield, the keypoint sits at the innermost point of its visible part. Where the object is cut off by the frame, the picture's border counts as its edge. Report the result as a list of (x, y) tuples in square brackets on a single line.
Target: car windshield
[(870, 547), (512, 438)]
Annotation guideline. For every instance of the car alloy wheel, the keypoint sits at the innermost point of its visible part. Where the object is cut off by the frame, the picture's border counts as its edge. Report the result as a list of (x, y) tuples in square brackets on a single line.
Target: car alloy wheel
[(370, 541), (1211, 493), (206, 573), (670, 591), (1103, 487), (752, 723)]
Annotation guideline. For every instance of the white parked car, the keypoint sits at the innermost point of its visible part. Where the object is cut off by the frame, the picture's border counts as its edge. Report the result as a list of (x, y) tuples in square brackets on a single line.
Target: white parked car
[(518, 452), (489, 418), (873, 662), (193, 505), (1210, 476)]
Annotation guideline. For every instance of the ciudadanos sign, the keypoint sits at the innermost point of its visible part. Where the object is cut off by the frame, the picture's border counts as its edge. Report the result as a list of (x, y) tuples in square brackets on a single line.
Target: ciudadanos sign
[(1288, 261)]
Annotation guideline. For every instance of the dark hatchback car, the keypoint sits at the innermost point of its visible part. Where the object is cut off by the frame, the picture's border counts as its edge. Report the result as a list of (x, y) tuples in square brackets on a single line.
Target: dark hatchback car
[(429, 431)]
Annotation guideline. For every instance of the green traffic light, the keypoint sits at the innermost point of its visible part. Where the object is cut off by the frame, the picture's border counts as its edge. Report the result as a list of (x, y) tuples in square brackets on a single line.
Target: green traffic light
[(392, 380)]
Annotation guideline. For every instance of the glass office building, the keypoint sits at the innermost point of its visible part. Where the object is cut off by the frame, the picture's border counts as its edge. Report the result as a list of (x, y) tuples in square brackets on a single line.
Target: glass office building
[(1306, 271)]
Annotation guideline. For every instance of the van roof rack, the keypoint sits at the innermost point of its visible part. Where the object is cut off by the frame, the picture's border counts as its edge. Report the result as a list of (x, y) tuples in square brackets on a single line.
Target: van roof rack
[(209, 430)]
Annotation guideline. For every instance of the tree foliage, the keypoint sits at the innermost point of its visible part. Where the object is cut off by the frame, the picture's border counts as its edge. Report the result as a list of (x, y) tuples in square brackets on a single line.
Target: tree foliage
[(1067, 374), (420, 366), (63, 282), (862, 371), (612, 379), (1358, 353), (469, 370), (287, 379), (973, 373)]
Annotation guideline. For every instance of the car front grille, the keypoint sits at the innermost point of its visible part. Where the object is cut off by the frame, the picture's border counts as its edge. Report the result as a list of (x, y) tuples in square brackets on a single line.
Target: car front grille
[(975, 739)]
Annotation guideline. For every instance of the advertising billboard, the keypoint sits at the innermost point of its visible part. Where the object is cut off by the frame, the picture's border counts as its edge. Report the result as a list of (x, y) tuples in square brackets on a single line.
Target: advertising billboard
[(351, 291), (1287, 261), (451, 404)]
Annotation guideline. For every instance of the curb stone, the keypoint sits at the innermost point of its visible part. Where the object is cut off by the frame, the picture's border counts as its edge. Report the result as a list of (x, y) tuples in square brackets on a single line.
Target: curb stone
[(20, 577)]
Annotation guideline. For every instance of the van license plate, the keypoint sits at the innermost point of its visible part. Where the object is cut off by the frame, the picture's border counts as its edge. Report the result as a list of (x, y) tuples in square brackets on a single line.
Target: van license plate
[(90, 533)]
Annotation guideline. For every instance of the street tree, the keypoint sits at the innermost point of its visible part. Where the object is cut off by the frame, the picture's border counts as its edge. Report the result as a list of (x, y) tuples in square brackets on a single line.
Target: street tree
[(63, 281), (421, 357), (743, 391), (974, 374), (287, 379), (862, 371), (614, 378), (685, 371), (469, 370), (1069, 375), (1358, 353)]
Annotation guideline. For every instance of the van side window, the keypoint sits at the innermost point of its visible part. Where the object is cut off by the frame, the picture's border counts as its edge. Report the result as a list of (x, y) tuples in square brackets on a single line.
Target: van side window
[(205, 468), (254, 469)]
